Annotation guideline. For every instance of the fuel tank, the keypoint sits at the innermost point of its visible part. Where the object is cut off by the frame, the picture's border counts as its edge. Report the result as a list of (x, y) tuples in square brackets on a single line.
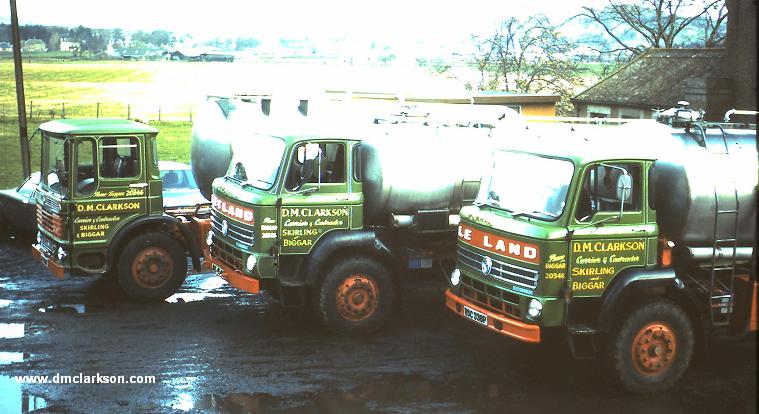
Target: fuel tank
[(700, 172), (413, 170)]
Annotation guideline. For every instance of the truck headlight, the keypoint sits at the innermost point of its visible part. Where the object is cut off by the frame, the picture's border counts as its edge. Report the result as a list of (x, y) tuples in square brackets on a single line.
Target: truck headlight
[(455, 277), (61, 254), (39, 238), (535, 308), (209, 238), (251, 263)]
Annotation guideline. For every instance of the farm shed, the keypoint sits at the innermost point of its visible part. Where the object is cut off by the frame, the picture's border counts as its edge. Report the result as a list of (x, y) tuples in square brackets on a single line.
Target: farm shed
[(658, 79)]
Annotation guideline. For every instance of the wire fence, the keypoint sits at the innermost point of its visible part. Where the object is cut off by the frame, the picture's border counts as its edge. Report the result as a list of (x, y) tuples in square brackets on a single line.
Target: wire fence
[(48, 110)]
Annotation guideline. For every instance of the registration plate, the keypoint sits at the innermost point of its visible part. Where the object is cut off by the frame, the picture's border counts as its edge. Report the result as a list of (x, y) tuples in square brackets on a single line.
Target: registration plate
[(217, 270), (476, 316)]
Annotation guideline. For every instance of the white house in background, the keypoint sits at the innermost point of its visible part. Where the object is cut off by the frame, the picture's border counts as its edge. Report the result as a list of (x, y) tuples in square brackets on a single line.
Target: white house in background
[(69, 46)]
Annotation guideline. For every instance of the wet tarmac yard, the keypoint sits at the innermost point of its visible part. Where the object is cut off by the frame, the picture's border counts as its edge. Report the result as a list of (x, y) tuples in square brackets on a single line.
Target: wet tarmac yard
[(212, 348)]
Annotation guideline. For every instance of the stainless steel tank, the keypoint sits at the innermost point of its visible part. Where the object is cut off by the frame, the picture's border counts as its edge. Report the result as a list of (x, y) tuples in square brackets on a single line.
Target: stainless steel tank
[(693, 178), (210, 149), (412, 168)]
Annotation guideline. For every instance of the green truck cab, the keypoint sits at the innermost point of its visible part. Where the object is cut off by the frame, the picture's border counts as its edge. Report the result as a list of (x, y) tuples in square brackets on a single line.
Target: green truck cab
[(100, 208), (612, 236)]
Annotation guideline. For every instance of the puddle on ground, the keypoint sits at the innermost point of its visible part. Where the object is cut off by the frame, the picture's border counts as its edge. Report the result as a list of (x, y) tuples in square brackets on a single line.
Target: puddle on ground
[(394, 393), (16, 399), (193, 297), (199, 287), (211, 283), (12, 357), (68, 308), (11, 330)]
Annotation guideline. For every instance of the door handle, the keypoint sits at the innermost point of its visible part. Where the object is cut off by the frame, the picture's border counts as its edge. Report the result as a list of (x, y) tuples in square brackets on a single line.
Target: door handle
[(138, 185)]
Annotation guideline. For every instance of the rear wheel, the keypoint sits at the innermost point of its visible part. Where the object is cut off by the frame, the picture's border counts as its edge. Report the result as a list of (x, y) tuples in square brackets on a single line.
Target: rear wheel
[(151, 267), (652, 348), (355, 297)]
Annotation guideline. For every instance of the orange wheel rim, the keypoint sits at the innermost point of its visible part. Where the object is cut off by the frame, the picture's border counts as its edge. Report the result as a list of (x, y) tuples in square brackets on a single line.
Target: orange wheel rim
[(654, 349), (152, 267), (357, 298)]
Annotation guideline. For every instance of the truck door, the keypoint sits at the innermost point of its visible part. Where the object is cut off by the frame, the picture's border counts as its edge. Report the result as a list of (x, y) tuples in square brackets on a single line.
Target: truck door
[(610, 232), (110, 188), (317, 196)]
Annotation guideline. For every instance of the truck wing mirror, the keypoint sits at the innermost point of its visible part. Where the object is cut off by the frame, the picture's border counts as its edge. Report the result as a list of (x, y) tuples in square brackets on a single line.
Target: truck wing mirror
[(309, 155)]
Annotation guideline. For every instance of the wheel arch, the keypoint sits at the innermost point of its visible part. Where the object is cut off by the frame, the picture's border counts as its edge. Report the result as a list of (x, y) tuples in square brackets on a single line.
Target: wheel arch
[(635, 286), (148, 224), (338, 244)]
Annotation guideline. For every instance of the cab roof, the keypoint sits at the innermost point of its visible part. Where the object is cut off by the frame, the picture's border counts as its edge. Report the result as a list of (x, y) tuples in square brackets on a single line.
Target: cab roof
[(96, 126), (642, 140)]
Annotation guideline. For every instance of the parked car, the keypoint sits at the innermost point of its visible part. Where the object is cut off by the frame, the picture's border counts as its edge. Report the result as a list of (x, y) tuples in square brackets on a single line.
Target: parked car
[(17, 206), (18, 212), (180, 191)]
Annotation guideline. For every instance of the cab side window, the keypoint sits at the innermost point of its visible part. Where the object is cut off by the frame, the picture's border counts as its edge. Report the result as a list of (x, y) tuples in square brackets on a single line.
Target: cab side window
[(604, 189), (119, 157), (85, 167), (329, 168)]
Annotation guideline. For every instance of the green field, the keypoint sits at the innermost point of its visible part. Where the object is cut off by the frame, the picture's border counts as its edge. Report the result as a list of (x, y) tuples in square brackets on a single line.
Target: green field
[(90, 89)]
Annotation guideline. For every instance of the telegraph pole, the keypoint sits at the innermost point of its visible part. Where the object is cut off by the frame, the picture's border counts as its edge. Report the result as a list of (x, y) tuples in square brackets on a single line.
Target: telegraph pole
[(21, 101)]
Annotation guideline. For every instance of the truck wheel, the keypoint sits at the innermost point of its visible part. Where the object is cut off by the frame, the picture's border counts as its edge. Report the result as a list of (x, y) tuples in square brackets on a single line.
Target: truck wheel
[(355, 297), (652, 348), (151, 267)]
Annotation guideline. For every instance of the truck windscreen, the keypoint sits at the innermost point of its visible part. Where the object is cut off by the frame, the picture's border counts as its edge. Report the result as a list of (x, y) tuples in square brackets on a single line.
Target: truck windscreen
[(256, 161), (525, 184), (55, 165)]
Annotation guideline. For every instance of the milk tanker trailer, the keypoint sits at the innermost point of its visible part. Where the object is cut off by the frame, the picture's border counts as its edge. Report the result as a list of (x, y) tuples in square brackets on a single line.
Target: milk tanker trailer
[(328, 212)]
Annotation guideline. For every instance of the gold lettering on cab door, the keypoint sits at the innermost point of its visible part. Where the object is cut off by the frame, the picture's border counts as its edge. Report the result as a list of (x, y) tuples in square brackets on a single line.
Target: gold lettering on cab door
[(595, 263)]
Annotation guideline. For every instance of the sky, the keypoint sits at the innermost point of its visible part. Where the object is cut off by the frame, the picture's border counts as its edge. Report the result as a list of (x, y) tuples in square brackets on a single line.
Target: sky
[(392, 19)]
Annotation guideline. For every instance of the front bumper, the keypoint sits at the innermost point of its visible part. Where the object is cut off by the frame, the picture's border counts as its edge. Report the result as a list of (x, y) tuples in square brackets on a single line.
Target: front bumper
[(234, 277), (46, 258), (507, 326)]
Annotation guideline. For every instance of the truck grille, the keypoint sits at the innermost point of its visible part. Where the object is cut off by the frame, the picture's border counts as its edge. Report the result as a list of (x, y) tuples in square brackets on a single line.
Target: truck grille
[(490, 297), (49, 221), (228, 254), (52, 205), (504, 271), (234, 231)]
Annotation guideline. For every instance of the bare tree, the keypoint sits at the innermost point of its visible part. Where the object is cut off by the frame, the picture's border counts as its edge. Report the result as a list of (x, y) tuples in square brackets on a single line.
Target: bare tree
[(529, 56), (635, 27)]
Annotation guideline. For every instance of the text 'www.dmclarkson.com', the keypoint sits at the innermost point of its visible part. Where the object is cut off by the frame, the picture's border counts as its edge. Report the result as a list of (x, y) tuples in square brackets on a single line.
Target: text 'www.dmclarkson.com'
[(85, 379)]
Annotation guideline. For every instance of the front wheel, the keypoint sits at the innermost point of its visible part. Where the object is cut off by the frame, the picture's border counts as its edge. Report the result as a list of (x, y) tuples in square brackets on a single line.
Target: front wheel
[(355, 297), (151, 267), (652, 348)]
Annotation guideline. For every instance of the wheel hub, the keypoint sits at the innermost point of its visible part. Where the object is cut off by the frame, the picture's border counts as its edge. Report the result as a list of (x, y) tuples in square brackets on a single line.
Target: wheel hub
[(152, 267), (357, 298), (654, 349)]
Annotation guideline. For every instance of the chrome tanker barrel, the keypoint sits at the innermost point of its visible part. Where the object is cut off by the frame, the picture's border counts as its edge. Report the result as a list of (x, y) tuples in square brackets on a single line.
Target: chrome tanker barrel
[(420, 174), (210, 149), (218, 123), (699, 172)]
